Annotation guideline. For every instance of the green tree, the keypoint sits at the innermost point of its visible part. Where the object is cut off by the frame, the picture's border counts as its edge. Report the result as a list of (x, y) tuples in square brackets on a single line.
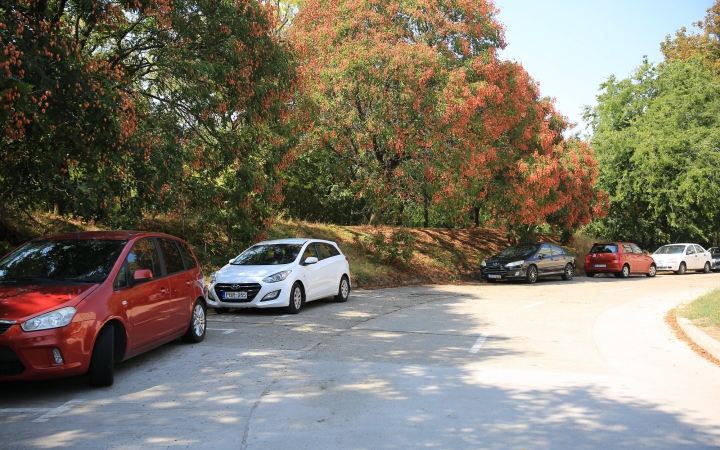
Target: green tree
[(657, 139)]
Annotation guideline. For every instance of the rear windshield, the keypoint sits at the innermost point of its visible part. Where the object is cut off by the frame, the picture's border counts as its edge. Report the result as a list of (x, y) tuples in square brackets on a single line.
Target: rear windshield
[(519, 250), (670, 249), (268, 255), (60, 262), (604, 248)]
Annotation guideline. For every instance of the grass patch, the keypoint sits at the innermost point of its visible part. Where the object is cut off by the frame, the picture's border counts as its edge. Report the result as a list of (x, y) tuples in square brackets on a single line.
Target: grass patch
[(703, 311)]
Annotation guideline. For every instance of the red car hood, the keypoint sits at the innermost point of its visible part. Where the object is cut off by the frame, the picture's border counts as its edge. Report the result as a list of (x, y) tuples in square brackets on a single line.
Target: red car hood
[(22, 302)]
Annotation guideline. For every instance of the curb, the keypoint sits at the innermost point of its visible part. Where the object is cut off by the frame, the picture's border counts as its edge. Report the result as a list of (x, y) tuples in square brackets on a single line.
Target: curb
[(707, 343)]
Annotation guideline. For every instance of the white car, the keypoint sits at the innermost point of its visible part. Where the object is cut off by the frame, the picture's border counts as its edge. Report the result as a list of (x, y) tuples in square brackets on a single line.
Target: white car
[(285, 272), (682, 257)]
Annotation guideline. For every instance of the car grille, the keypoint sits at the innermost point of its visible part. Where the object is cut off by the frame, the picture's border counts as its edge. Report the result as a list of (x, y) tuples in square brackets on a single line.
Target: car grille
[(5, 325), (9, 363), (252, 290), (495, 269)]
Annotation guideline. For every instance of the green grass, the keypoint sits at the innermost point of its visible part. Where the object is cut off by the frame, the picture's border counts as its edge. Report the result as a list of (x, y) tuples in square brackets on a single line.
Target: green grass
[(703, 311)]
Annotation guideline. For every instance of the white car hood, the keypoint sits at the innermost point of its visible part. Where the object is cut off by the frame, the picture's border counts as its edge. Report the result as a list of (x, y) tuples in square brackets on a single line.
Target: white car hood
[(668, 257), (233, 273)]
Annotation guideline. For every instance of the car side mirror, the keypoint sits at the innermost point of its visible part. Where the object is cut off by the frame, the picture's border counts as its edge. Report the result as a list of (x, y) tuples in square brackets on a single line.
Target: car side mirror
[(541, 256), (310, 260), (231, 260), (142, 275), (645, 252)]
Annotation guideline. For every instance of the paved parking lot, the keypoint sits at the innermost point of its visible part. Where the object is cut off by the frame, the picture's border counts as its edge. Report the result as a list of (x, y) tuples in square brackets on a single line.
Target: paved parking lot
[(586, 363)]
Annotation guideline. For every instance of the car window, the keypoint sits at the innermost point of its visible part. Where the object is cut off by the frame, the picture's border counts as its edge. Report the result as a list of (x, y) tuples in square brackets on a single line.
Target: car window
[(627, 248), (324, 251), (636, 249), (690, 250), (604, 248), (55, 262), (699, 249), (187, 255), (670, 249), (121, 280), (310, 251), (144, 256), (518, 250), (558, 250), (333, 250), (544, 251), (171, 256)]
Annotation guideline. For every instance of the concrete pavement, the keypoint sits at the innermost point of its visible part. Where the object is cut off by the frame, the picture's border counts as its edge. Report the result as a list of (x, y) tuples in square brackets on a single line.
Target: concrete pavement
[(588, 363)]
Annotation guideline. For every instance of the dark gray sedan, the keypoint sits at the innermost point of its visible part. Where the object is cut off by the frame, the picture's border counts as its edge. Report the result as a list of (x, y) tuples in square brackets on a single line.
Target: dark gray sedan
[(529, 262)]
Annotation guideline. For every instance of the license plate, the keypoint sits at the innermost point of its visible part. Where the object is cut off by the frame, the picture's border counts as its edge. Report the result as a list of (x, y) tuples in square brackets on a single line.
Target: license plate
[(235, 295), (494, 276), (600, 265)]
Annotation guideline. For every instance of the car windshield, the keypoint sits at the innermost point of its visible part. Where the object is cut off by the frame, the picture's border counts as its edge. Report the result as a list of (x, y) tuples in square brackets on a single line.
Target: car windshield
[(268, 255), (519, 250), (670, 249), (60, 262), (714, 250), (604, 248)]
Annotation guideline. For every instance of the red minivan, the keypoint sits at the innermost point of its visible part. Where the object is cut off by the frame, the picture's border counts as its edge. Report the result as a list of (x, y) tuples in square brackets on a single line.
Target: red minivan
[(79, 302), (619, 258)]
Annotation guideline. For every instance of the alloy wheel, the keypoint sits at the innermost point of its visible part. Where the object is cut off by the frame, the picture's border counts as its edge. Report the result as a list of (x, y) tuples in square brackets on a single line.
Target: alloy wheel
[(297, 298), (344, 289), (199, 320)]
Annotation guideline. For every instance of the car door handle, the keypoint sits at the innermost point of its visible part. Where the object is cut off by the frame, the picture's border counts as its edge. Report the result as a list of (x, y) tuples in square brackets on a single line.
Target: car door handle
[(164, 290), (189, 282)]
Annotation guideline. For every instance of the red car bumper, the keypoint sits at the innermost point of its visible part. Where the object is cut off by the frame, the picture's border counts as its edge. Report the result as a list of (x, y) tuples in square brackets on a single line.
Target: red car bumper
[(29, 355), (610, 266)]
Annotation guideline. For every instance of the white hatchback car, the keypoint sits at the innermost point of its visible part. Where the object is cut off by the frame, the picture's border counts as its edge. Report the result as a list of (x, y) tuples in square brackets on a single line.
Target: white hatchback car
[(682, 257), (285, 272)]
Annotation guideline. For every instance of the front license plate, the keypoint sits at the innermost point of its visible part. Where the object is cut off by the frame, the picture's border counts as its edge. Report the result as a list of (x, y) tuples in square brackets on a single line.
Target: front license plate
[(494, 276), (235, 295), (600, 265)]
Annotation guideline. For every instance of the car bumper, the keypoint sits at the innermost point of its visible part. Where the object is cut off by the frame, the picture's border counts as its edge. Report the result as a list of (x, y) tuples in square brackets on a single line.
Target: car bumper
[(610, 267), (258, 301), (29, 355), (664, 266), (504, 274)]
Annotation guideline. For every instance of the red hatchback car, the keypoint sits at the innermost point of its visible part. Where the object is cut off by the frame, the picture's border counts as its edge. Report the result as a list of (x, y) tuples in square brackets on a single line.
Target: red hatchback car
[(79, 302), (619, 258)]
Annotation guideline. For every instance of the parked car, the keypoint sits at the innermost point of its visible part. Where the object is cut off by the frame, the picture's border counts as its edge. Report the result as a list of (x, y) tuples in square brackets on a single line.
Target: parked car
[(715, 254), (285, 272), (79, 302), (529, 262), (683, 257), (620, 259)]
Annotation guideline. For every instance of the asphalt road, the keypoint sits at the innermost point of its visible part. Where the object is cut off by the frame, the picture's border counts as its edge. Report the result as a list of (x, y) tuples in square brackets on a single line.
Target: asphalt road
[(588, 363)]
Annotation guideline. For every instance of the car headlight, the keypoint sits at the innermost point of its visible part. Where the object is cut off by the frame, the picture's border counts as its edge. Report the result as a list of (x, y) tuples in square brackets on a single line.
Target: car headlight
[(55, 319), (514, 263), (213, 277), (483, 264), (274, 278)]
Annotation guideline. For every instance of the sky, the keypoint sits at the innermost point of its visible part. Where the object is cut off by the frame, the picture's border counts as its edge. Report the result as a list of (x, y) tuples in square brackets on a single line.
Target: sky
[(571, 46)]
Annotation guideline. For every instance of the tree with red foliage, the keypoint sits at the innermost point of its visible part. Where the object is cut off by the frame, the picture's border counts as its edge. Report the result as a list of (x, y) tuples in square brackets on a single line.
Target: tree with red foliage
[(411, 95)]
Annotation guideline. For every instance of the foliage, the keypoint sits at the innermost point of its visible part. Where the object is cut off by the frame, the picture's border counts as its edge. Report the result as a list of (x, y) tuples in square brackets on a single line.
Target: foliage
[(657, 138), (411, 111), (684, 46), (396, 249), (119, 109)]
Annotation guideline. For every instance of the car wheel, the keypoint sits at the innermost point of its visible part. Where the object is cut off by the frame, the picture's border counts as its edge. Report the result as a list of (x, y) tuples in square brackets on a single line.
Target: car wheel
[(682, 269), (343, 290), (101, 371), (653, 271), (196, 329), (221, 310), (590, 274), (296, 298), (532, 274), (624, 273), (706, 269), (568, 272)]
